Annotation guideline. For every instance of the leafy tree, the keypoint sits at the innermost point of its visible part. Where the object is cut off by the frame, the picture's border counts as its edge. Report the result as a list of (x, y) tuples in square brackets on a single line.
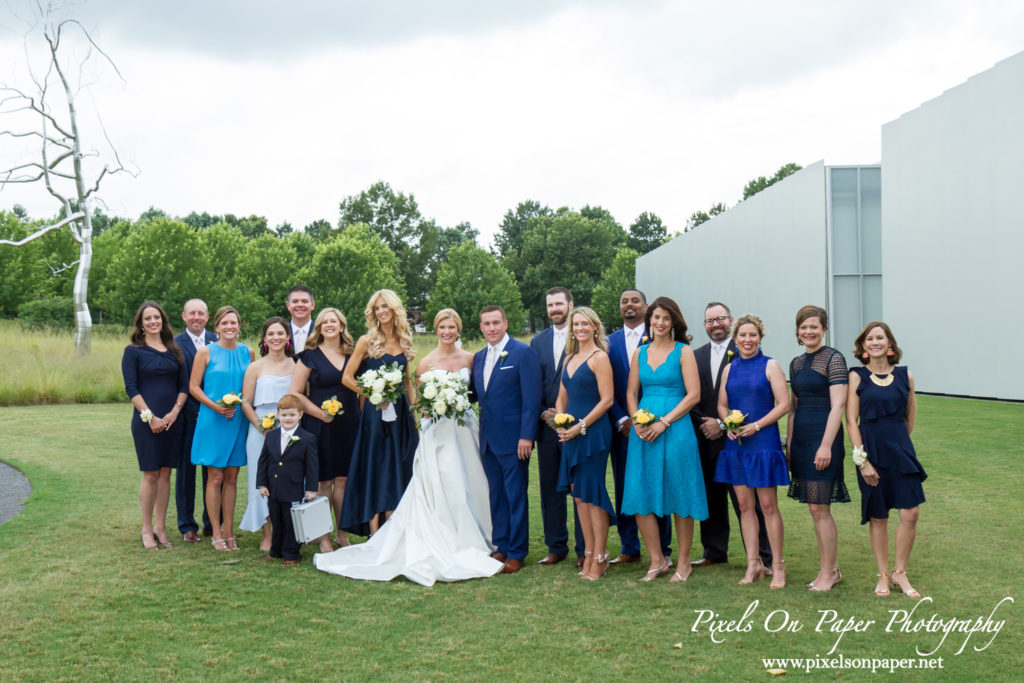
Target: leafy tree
[(201, 220), (151, 213), (284, 228), (508, 241), (161, 259), (454, 236), (320, 229), (345, 270), (470, 279), (268, 266), (599, 213), (303, 245), (619, 277), (253, 226), (568, 249), (759, 183), (698, 217), (647, 232)]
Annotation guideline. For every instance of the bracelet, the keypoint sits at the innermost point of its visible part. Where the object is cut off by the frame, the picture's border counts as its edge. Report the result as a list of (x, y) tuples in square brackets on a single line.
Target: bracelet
[(665, 422), (146, 415), (757, 427), (583, 427)]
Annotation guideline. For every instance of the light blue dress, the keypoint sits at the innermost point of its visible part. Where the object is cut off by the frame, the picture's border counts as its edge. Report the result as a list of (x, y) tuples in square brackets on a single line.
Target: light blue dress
[(664, 477), (269, 390), (218, 441)]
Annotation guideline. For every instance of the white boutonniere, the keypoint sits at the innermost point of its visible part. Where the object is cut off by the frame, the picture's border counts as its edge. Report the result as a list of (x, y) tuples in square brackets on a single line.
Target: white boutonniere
[(146, 415), (860, 456), (293, 439), (503, 355)]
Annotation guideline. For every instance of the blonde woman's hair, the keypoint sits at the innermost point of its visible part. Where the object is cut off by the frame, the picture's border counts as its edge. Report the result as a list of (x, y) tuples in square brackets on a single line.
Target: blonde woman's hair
[(572, 346), (748, 319), (316, 337), (376, 341), (448, 314)]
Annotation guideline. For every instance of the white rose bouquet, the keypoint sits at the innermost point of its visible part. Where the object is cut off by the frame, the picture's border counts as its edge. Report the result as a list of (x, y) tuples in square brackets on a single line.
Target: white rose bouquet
[(443, 394), (384, 385)]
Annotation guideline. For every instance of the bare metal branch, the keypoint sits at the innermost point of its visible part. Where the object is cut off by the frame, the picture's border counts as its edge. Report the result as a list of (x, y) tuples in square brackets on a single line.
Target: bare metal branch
[(78, 215), (62, 267)]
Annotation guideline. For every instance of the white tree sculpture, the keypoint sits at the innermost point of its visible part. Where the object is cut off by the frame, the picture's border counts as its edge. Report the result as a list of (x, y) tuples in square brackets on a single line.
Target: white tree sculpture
[(46, 116)]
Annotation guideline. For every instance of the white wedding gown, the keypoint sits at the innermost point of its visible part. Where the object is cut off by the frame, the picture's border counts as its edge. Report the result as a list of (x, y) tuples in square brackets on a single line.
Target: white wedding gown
[(441, 529)]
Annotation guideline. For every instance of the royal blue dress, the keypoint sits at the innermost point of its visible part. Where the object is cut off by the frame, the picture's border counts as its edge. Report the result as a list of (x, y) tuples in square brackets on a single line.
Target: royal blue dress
[(759, 461), (811, 376), (337, 438), (585, 459), (159, 377), (218, 441), (381, 458), (883, 429), (664, 477)]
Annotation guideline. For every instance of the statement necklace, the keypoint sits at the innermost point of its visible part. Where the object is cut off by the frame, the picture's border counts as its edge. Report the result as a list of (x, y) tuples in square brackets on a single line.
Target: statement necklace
[(882, 380)]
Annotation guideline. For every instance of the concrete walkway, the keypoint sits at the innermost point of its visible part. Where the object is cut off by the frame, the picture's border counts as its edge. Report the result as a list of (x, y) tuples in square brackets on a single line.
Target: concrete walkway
[(14, 491)]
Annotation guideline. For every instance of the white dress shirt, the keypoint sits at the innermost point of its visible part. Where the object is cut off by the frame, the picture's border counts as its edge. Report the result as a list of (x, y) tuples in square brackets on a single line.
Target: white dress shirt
[(718, 350), (286, 437), (299, 335), (632, 338), (558, 342), (493, 353)]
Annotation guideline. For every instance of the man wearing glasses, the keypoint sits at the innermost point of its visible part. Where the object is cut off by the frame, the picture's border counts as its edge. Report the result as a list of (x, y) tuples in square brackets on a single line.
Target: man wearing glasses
[(711, 360)]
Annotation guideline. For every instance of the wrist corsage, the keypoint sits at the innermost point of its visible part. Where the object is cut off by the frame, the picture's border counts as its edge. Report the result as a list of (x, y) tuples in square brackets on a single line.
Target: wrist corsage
[(146, 415), (860, 457)]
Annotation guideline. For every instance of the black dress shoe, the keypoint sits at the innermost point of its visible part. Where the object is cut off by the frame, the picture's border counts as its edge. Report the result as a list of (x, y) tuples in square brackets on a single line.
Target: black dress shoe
[(551, 558), (625, 559), (704, 562)]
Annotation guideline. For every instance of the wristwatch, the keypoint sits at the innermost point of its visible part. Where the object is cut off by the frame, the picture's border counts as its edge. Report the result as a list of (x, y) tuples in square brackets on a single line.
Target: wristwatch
[(721, 425)]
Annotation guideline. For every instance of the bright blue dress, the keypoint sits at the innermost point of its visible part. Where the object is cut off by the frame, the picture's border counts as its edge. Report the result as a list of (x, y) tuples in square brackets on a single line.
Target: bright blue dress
[(585, 459), (664, 477), (218, 441), (382, 458), (759, 461)]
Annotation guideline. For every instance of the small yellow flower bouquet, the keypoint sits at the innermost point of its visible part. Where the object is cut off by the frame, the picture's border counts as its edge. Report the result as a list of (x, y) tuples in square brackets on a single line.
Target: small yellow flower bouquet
[(644, 417), (563, 420), (332, 407), (268, 422), (734, 420), (230, 400)]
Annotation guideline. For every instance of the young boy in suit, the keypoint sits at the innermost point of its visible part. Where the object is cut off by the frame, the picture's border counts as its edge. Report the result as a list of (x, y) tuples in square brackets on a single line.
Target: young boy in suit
[(287, 460)]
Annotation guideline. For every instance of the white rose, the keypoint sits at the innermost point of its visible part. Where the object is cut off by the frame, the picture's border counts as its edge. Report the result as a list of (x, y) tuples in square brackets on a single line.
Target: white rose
[(376, 398), (378, 386), (429, 392), (393, 377), (450, 395), (461, 403), (440, 407)]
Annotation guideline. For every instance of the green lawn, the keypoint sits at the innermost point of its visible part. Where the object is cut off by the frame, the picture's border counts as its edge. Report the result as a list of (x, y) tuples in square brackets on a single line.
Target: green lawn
[(81, 600)]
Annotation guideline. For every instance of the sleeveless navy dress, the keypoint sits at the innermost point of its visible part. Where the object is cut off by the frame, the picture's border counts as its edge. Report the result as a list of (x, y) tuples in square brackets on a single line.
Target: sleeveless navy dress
[(381, 458), (335, 439), (585, 459)]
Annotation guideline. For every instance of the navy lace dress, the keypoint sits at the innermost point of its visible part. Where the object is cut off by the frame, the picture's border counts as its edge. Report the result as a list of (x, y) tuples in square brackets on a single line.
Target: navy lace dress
[(381, 458), (811, 376), (883, 429)]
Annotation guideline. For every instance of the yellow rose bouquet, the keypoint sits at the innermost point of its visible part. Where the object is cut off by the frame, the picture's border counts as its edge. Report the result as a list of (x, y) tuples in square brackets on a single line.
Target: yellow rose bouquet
[(230, 400), (734, 420), (268, 422), (644, 417), (563, 420), (332, 407)]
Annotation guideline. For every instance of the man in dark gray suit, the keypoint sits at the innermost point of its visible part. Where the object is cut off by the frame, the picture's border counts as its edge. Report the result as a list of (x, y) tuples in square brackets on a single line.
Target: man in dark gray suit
[(195, 336)]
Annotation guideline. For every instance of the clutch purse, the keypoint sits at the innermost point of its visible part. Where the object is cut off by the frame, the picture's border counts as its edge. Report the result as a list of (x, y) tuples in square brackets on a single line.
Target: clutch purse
[(312, 519)]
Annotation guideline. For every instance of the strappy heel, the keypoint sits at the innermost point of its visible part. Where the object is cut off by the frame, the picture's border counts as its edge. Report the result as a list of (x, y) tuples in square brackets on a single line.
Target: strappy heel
[(652, 574), (230, 543), (601, 559), (679, 578), (908, 589), (776, 568), (758, 575), (586, 554), (214, 542), (882, 592), (837, 576)]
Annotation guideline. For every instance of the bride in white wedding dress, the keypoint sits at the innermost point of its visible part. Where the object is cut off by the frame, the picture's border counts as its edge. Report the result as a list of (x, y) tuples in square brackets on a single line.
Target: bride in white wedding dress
[(441, 529)]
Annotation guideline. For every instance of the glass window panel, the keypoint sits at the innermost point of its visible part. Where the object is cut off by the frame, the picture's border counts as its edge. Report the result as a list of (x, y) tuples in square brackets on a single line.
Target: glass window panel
[(845, 315), (845, 250), (871, 219), (872, 285)]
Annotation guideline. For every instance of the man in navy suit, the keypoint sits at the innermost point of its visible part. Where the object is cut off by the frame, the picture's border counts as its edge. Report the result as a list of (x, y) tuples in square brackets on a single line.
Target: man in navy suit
[(621, 346), (195, 314), (300, 305), (506, 381), (711, 360), (549, 346)]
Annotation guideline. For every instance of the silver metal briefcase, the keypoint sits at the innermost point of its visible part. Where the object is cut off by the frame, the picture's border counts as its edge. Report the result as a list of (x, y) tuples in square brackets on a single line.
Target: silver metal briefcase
[(311, 520)]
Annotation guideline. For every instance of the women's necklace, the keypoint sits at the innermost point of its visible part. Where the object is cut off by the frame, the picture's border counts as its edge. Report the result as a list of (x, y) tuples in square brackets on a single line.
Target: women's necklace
[(882, 380)]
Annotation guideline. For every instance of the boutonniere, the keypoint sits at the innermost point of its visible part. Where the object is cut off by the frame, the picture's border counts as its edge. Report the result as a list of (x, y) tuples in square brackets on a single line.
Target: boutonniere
[(729, 354), (644, 339), (293, 439), (503, 355)]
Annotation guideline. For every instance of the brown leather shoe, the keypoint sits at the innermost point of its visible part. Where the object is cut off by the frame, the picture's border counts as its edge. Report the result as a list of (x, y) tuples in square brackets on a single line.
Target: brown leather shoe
[(289, 563), (551, 558), (626, 559), (498, 556), (703, 562), (512, 566), (579, 562), (208, 532), (266, 558), (190, 537)]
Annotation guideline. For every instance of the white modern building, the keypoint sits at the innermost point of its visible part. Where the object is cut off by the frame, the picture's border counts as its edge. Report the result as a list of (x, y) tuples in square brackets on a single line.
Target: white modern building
[(929, 241)]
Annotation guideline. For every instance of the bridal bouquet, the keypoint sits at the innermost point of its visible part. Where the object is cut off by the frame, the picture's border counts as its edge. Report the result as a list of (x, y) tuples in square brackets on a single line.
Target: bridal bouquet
[(443, 394), (383, 385)]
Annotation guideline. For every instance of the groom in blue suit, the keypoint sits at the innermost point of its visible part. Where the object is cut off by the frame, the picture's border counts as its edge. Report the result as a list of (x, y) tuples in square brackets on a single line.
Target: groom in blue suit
[(507, 384)]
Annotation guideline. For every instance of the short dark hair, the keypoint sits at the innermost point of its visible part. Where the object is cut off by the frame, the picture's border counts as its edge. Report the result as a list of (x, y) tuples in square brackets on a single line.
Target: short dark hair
[(492, 309), (300, 288), (678, 321), (810, 311), (559, 290), (634, 289), (718, 303), (858, 344)]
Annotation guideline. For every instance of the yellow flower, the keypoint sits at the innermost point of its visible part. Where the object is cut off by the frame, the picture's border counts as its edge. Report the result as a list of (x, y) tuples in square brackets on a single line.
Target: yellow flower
[(644, 417), (230, 399), (563, 420), (332, 406), (268, 421)]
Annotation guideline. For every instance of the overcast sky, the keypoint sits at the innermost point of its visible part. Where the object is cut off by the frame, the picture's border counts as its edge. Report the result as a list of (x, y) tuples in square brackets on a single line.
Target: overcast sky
[(283, 109)]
